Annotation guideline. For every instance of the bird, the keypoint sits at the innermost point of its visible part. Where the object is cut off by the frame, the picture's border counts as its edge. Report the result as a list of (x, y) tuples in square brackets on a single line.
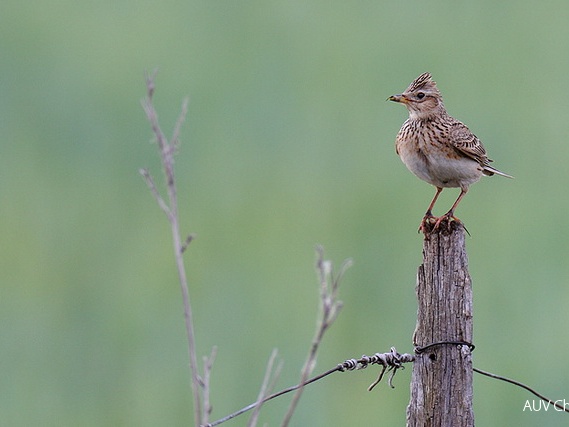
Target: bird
[(438, 148)]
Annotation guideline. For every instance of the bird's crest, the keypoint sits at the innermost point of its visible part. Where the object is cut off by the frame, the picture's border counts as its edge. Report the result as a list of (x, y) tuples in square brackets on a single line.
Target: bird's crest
[(424, 82)]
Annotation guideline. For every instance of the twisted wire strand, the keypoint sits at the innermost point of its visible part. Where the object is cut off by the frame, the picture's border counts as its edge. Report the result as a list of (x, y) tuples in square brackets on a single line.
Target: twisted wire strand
[(391, 362)]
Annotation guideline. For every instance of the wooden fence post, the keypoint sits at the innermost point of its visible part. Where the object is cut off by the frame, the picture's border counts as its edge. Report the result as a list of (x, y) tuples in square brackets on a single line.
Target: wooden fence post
[(441, 382)]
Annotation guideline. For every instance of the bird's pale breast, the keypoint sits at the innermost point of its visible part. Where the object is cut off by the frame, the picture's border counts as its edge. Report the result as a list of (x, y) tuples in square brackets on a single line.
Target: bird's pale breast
[(425, 149)]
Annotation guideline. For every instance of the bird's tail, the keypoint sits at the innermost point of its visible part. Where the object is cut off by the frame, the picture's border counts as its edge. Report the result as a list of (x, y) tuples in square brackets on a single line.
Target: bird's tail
[(489, 170)]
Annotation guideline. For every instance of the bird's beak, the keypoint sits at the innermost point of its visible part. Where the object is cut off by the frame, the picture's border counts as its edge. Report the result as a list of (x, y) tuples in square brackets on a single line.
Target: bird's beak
[(398, 98)]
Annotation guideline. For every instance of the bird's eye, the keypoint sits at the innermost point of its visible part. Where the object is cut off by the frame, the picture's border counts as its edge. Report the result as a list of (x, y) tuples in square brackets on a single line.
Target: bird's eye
[(420, 95)]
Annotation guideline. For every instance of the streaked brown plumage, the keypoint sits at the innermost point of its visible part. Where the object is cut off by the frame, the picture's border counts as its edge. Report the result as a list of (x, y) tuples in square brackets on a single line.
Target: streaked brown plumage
[(438, 148)]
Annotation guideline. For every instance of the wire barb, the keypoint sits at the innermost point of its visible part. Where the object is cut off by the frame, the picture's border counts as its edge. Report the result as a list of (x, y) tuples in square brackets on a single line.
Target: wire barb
[(390, 361)]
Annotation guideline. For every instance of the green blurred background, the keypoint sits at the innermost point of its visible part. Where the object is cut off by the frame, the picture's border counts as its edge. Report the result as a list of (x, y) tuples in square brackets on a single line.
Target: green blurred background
[(288, 143)]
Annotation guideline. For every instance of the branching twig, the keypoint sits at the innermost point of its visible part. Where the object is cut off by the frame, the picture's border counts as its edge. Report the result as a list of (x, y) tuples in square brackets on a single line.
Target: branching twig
[(171, 210), (330, 308)]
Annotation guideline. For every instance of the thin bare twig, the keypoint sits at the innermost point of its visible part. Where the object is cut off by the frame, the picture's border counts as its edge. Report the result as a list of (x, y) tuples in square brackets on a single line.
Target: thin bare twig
[(171, 209), (208, 366), (151, 113), (330, 308), (175, 140), (269, 381), (152, 187)]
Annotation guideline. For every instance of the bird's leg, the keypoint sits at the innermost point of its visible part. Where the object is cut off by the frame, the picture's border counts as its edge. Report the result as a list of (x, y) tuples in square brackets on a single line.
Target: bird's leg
[(450, 214), (429, 214)]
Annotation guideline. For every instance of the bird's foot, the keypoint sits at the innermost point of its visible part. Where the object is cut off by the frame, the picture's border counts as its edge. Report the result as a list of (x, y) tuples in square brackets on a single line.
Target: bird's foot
[(447, 222), (427, 223)]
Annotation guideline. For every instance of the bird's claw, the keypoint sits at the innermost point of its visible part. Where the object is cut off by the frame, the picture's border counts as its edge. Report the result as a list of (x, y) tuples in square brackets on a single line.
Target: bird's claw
[(431, 223), (448, 218), (426, 226)]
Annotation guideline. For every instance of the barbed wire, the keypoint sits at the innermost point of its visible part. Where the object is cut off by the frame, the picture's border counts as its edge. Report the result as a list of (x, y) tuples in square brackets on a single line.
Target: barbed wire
[(390, 361)]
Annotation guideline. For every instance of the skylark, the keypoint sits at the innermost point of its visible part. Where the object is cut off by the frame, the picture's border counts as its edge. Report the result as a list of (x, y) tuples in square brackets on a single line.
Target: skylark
[(438, 148)]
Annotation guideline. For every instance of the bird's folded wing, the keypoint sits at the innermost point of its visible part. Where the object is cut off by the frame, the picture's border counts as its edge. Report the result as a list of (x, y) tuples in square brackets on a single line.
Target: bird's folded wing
[(467, 143)]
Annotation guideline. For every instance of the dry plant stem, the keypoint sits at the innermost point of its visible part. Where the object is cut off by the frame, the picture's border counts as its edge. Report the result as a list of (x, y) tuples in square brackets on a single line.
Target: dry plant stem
[(269, 381), (330, 307), (329, 286), (208, 365), (167, 150)]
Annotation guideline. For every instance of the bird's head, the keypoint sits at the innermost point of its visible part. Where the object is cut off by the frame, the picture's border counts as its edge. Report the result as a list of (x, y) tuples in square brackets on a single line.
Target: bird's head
[(422, 98)]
